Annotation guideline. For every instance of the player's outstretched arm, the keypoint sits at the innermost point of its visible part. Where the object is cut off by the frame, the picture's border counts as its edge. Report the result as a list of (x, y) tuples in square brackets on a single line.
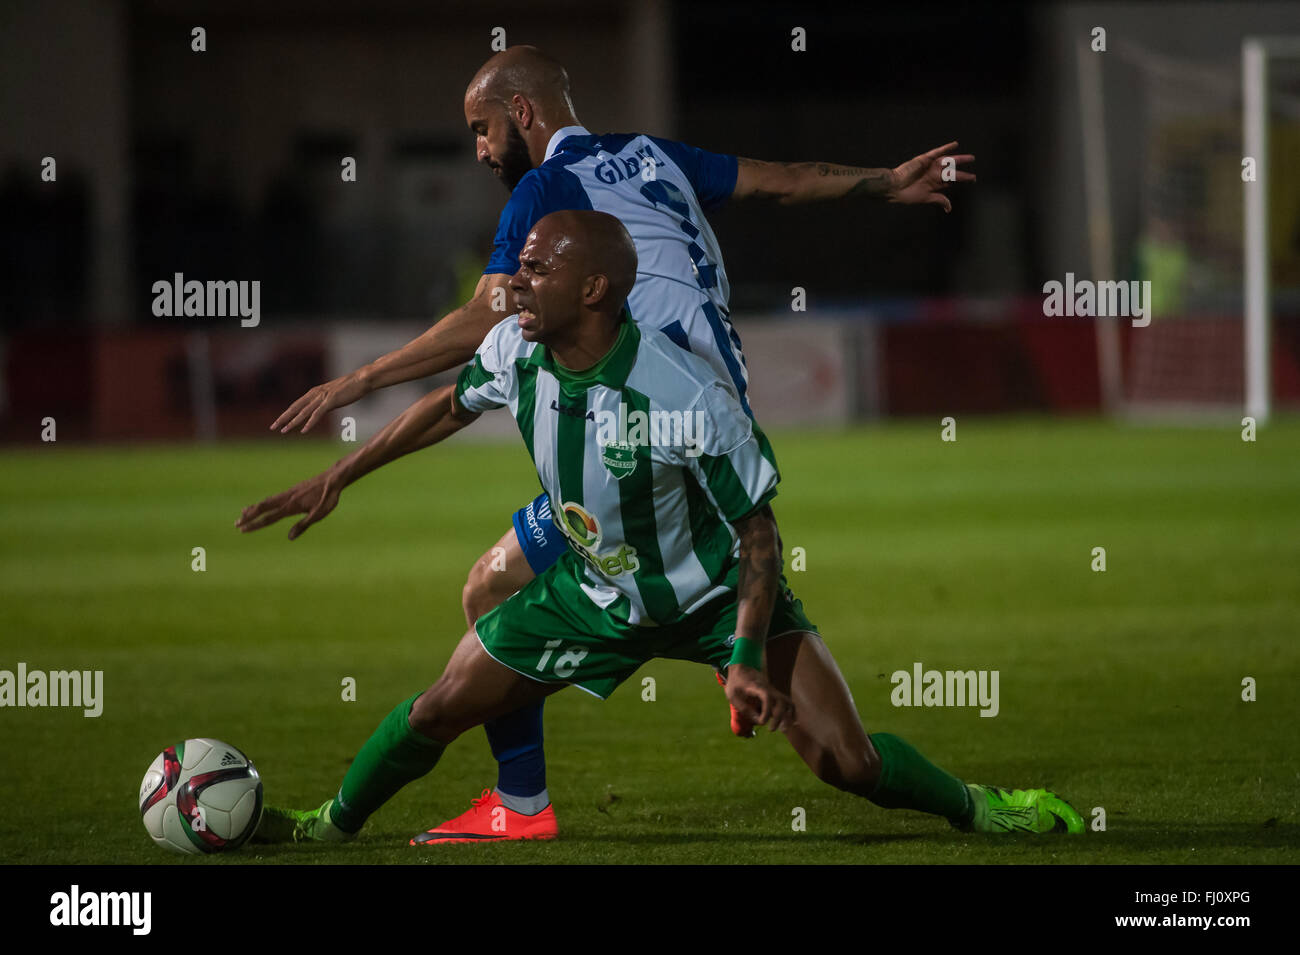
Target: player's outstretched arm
[(448, 343), (433, 418), (748, 689), (919, 181)]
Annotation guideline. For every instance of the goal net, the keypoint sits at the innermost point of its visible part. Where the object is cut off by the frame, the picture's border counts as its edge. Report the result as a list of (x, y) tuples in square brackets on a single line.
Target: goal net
[(1187, 226)]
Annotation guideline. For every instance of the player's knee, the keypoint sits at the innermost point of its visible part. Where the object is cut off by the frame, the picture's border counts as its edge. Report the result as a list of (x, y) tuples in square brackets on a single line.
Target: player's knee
[(433, 714), (863, 770), (851, 765), (469, 600), (477, 597)]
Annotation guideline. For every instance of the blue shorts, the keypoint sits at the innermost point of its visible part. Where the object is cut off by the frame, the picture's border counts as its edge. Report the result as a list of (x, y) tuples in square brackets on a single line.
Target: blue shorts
[(540, 539)]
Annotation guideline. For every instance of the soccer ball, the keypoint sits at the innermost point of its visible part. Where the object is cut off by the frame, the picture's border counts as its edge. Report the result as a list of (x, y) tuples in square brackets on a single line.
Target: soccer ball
[(201, 795)]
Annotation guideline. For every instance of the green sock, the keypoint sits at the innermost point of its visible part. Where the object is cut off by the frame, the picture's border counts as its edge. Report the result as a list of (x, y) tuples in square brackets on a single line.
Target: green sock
[(910, 781), (394, 755)]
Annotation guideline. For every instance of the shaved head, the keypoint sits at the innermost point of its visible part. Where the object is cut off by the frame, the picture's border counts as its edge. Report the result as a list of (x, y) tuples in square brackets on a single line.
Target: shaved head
[(596, 243), (525, 71)]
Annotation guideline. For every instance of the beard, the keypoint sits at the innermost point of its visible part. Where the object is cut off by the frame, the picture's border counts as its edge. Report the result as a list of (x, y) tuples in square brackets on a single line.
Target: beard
[(516, 162)]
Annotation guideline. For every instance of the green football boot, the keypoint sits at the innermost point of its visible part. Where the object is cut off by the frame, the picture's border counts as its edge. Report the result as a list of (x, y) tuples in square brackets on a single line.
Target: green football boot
[(292, 825), (1020, 810)]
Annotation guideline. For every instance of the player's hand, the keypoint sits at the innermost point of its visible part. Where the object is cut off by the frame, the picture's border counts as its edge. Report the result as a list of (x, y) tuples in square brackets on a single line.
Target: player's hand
[(919, 181), (754, 697), (315, 497), (321, 400)]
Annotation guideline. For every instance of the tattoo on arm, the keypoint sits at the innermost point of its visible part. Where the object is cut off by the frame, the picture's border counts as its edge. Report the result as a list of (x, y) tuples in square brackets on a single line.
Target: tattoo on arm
[(760, 570), (871, 182), (758, 166), (760, 553), (795, 182)]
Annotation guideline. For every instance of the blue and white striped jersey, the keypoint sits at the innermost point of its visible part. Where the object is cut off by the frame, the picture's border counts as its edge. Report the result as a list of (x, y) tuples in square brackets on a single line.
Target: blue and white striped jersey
[(660, 190)]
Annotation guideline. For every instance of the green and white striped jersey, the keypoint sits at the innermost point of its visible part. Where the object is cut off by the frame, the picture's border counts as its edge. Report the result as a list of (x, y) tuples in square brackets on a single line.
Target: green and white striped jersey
[(647, 457)]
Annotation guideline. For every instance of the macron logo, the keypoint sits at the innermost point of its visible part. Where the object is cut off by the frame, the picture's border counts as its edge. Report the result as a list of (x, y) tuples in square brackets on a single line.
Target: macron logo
[(75, 907)]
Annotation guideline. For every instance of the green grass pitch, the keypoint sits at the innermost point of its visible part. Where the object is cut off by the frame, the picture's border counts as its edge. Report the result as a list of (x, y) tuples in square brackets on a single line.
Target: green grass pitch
[(1121, 690)]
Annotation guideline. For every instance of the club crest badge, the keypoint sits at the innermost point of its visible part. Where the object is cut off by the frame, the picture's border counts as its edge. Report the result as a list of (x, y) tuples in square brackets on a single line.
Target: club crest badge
[(620, 459)]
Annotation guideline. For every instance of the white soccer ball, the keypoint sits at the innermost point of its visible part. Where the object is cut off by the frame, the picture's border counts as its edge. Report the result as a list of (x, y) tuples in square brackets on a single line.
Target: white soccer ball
[(200, 796)]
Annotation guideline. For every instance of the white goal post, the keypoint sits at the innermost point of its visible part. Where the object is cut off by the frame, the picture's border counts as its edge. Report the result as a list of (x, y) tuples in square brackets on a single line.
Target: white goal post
[(1199, 129), (1255, 55)]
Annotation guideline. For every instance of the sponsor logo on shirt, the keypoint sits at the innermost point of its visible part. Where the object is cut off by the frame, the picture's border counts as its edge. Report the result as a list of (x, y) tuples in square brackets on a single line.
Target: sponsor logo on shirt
[(573, 411), (583, 530)]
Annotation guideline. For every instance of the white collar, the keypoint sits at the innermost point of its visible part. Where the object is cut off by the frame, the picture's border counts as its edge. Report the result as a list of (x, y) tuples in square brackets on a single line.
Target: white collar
[(562, 134)]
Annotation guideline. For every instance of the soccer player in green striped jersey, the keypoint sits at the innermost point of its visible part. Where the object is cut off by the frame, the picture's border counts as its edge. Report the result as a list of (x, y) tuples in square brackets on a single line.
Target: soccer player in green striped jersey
[(519, 108), (662, 486)]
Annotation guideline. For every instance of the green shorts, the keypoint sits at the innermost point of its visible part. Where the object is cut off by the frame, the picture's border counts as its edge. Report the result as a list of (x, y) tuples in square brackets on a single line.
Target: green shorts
[(551, 632)]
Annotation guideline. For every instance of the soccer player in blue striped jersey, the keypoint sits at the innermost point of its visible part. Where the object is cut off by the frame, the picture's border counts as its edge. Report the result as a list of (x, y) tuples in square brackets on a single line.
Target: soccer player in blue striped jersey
[(672, 551), (519, 108)]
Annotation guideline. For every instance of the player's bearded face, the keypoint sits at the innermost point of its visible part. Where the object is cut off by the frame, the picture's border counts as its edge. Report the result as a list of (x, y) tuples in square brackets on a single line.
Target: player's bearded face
[(515, 161)]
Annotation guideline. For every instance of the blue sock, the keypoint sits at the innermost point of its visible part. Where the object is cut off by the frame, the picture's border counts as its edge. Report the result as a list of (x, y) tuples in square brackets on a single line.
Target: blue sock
[(516, 741)]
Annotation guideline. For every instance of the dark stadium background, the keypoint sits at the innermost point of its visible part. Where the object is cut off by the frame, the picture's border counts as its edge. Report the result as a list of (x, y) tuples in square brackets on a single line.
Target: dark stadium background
[(224, 164)]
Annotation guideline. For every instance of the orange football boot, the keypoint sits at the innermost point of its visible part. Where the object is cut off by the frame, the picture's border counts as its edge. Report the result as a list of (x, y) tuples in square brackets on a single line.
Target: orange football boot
[(740, 725), (488, 820)]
